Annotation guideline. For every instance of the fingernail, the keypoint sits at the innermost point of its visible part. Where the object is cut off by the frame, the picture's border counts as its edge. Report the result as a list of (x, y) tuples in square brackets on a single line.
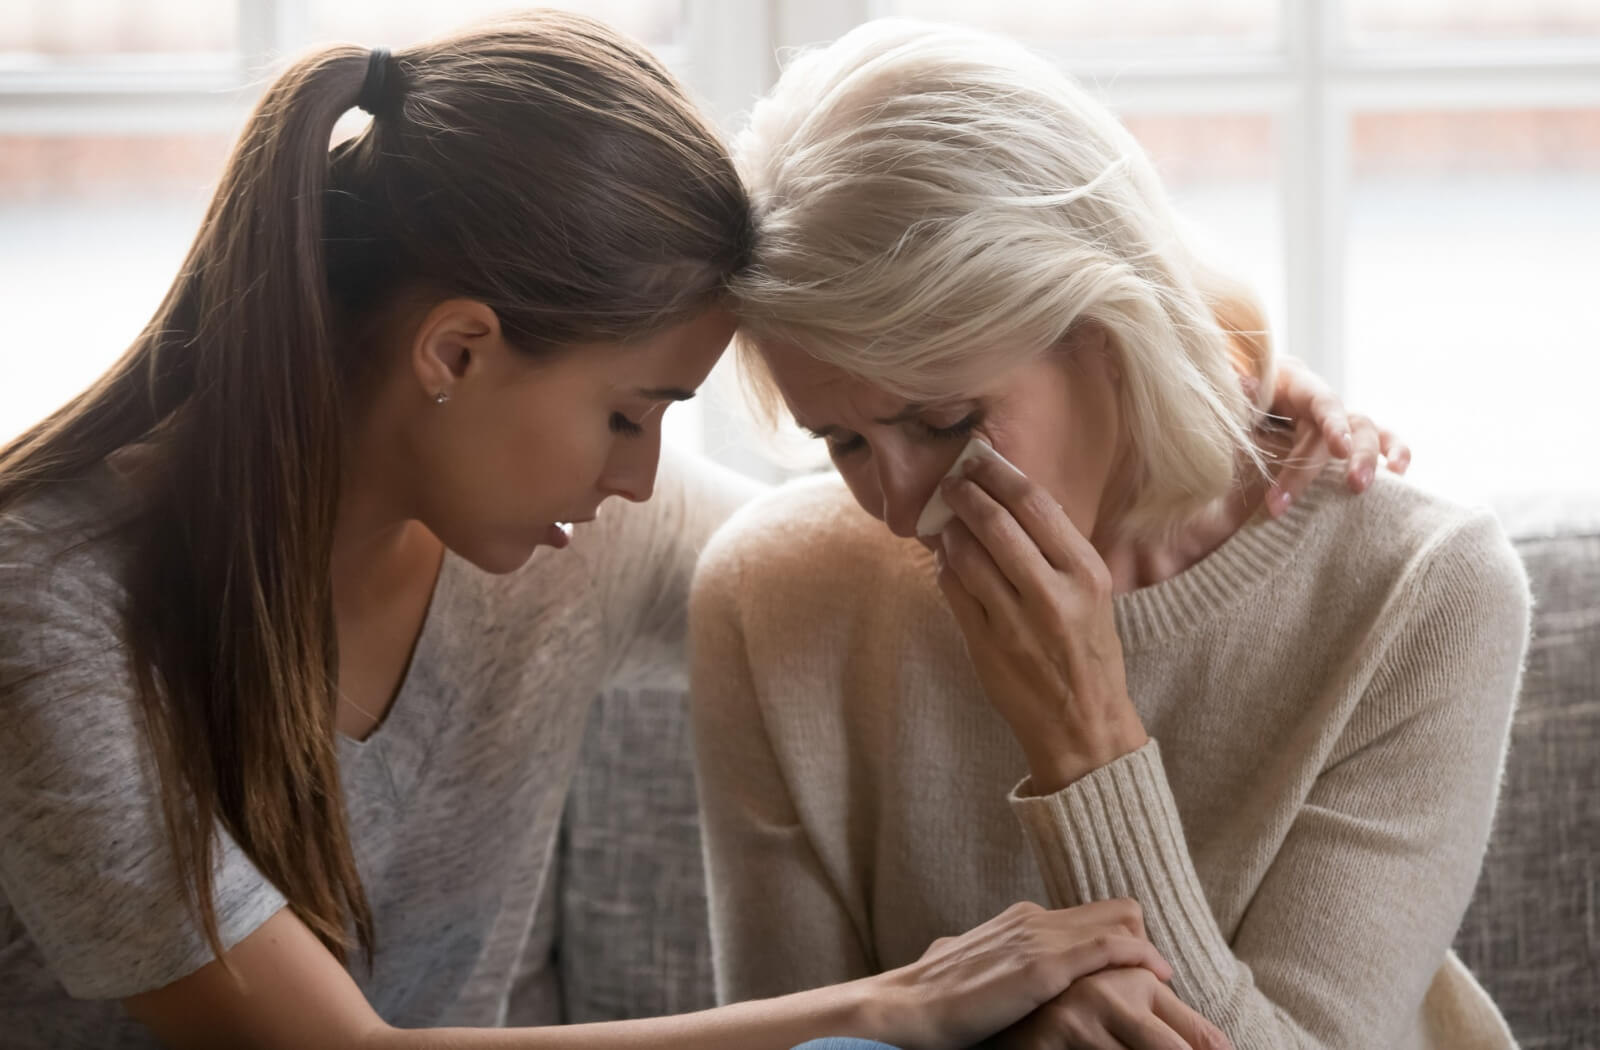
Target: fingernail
[(1281, 500), (1365, 477), (1346, 440)]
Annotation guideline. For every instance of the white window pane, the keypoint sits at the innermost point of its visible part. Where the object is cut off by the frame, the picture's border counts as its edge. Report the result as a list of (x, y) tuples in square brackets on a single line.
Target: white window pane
[(683, 426), (68, 28), (398, 23), (1221, 172), (1471, 19), (1130, 20), (94, 231), (1472, 277)]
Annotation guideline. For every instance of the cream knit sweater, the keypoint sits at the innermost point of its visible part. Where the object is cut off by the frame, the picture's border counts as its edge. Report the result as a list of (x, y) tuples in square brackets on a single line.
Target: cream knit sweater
[(1328, 697)]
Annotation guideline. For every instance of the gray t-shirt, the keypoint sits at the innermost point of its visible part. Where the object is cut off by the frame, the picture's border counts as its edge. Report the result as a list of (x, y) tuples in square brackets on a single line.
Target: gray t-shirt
[(454, 801)]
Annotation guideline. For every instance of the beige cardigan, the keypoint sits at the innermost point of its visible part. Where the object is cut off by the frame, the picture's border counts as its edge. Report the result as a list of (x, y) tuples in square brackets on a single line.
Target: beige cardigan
[(1328, 697)]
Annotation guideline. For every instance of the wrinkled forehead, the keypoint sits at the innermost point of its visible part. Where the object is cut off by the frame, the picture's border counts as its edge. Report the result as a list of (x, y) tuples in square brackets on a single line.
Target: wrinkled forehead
[(816, 390), (809, 385)]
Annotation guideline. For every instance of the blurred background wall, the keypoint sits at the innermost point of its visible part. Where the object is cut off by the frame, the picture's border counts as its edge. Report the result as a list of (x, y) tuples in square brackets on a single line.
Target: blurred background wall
[(1413, 186)]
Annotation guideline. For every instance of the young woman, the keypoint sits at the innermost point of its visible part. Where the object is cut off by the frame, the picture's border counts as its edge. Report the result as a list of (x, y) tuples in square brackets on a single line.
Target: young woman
[(294, 657), (1280, 735)]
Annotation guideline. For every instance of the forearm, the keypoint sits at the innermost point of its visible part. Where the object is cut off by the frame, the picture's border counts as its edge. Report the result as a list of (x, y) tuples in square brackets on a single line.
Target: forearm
[(1115, 833), (284, 990), (1056, 759), (1342, 937), (768, 1024)]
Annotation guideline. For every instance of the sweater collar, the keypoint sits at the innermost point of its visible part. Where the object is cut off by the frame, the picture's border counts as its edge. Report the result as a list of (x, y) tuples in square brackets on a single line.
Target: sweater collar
[(1244, 561)]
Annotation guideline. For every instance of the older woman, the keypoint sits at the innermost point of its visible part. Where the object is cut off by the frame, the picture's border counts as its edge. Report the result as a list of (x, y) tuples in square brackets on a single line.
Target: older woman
[(1279, 733)]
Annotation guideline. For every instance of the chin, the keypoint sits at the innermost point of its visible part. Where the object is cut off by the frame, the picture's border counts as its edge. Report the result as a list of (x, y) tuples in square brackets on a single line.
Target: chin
[(498, 559)]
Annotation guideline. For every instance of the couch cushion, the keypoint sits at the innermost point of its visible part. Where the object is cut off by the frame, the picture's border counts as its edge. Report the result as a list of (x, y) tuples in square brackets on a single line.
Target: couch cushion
[(1532, 934), (632, 911)]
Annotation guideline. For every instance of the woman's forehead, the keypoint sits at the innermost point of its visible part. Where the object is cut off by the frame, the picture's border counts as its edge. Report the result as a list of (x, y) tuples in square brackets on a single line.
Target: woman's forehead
[(810, 386), (817, 388)]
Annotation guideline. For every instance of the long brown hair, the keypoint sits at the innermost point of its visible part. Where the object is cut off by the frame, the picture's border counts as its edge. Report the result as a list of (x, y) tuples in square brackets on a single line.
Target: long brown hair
[(543, 165)]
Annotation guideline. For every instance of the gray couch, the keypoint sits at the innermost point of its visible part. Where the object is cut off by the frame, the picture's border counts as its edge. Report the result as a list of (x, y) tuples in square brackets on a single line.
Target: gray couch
[(622, 933)]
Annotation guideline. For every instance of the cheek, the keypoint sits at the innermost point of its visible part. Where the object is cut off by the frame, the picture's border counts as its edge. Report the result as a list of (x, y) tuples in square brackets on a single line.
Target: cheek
[(863, 486), (568, 450), (540, 456), (897, 478), (1050, 450), (1032, 449)]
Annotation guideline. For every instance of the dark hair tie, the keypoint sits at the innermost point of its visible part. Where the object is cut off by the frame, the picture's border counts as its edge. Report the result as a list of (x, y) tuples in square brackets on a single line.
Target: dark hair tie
[(372, 97)]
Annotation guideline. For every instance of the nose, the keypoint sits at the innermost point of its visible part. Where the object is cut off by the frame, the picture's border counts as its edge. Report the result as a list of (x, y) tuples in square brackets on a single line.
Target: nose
[(903, 493), (631, 470)]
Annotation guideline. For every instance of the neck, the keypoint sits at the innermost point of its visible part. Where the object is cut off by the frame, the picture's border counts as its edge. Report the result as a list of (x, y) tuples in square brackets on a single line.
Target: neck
[(369, 541), (376, 537), (1139, 561)]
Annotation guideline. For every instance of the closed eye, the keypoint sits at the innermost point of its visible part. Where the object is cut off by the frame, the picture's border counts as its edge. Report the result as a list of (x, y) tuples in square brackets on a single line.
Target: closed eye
[(621, 424), (840, 445), (844, 443), (954, 430), (840, 442)]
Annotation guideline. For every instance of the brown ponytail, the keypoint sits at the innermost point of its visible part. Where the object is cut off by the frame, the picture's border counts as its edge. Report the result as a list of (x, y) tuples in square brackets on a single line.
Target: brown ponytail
[(544, 166)]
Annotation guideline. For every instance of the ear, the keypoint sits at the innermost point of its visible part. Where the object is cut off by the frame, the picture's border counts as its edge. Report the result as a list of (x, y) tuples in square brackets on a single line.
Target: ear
[(452, 340), (1088, 341)]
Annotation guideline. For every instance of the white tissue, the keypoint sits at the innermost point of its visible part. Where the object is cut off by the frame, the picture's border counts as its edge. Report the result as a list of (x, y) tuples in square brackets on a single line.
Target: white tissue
[(937, 514)]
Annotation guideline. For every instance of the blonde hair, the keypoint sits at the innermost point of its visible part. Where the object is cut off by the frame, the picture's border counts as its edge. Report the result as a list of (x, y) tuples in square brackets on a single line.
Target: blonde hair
[(935, 205)]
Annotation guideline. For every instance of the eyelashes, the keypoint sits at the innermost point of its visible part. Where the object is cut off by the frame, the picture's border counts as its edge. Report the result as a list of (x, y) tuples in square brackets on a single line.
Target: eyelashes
[(954, 430), (855, 442), (843, 447), (621, 424)]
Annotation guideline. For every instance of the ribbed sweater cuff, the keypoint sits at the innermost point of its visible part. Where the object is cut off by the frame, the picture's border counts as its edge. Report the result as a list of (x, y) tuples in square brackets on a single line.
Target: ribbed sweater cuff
[(1116, 833)]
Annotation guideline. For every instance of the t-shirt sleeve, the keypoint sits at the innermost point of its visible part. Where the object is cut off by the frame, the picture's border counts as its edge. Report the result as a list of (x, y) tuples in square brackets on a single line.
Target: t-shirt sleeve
[(650, 563), (84, 858)]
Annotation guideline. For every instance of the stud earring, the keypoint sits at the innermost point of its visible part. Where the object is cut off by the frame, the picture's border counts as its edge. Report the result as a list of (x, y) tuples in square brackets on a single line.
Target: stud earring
[(440, 398)]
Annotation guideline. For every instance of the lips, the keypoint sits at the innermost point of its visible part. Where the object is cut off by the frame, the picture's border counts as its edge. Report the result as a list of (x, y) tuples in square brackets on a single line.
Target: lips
[(559, 534)]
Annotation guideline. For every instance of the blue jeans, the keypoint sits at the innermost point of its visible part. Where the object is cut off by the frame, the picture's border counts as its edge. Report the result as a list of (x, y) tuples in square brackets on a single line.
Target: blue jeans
[(838, 1043)]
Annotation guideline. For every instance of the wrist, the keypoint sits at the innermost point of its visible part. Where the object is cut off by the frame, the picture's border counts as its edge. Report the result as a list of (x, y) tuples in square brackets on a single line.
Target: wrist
[(1054, 765), (885, 1008)]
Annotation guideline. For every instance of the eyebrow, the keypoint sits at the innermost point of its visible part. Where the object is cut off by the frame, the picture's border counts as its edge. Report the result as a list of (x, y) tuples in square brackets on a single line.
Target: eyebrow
[(665, 393), (910, 412), (905, 415)]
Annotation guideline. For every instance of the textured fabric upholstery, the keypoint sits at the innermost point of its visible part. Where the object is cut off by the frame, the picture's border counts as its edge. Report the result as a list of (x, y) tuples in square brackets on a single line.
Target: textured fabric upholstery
[(622, 931), (1532, 934)]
